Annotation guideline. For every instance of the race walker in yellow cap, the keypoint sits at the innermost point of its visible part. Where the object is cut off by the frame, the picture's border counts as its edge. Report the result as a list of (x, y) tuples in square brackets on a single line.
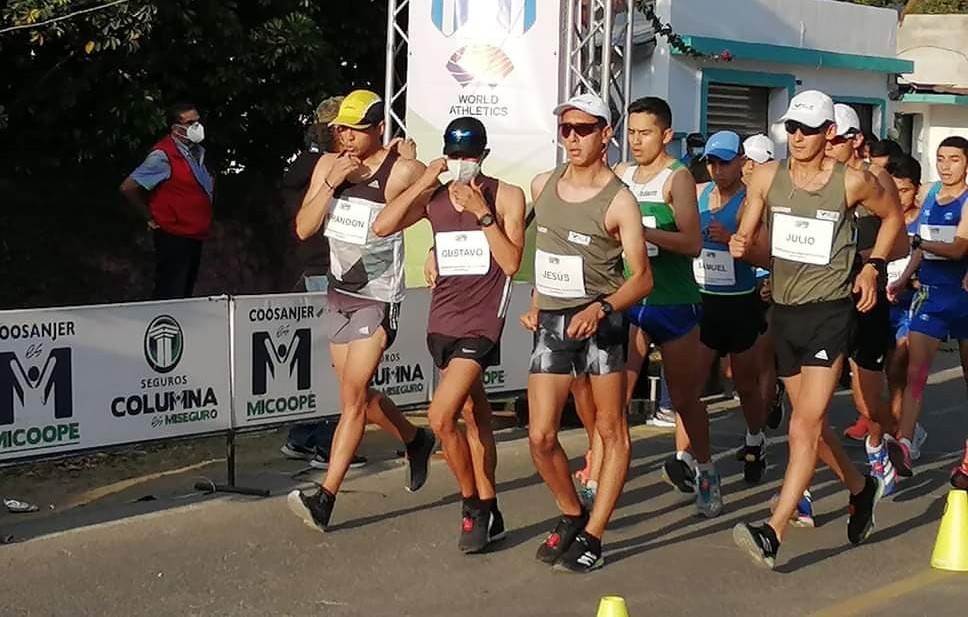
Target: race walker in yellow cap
[(347, 193)]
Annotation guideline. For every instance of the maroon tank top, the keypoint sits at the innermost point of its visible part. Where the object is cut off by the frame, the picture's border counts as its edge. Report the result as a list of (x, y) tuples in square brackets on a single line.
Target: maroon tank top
[(467, 305)]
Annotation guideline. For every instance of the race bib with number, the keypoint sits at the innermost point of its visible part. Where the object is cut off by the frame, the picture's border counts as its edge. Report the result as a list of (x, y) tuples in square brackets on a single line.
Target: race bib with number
[(802, 239), (349, 221), (896, 268), (462, 253), (559, 276), (937, 233), (714, 267), (650, 222)]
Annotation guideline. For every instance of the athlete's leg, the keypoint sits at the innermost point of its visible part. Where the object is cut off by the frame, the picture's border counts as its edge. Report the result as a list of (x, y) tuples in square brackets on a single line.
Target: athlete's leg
[(581, 391), (746, 375), (897, 378), (685, 388), (921, 351), (547, 394), (477, 414), (612, 426), (867, 387), (455, 384)]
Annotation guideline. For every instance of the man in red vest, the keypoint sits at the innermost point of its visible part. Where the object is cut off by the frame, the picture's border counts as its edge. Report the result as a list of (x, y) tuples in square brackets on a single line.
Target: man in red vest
[(173, 189)]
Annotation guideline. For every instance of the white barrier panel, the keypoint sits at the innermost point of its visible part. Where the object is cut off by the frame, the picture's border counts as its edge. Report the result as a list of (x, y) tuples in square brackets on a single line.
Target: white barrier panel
[(77, 378), (281, 359), (512, 373)]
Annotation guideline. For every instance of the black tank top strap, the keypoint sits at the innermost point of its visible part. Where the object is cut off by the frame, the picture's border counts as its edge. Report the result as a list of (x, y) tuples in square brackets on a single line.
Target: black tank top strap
[(373, 187)]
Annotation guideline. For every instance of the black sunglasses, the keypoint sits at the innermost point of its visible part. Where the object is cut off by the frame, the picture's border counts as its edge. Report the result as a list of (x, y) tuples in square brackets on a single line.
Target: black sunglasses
[(792, 126), (584, 129)]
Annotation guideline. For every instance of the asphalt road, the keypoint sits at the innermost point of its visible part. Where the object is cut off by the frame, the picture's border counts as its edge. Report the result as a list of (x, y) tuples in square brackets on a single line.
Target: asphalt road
[(394, 553)]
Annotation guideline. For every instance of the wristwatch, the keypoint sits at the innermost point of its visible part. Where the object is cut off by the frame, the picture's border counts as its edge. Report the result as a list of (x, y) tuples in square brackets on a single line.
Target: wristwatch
[(916, 241), (607, 307), (486, 221), (880, 265)]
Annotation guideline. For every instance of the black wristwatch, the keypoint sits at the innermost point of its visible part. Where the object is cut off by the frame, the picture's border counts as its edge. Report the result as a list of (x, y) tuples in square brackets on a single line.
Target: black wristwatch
[(486, 221), (916, 241), (880, 265), (607, 307)]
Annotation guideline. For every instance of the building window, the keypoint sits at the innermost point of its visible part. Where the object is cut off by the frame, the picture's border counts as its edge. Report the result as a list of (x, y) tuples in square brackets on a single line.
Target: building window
[(865, 111), (743, 109)]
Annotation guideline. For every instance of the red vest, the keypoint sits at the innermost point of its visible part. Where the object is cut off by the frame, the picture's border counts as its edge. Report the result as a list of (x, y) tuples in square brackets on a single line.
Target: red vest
[(179, 205)]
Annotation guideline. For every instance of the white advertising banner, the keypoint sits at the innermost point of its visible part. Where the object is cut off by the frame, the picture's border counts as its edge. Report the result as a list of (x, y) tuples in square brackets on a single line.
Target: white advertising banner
[(496, 60), (78, 378), (281, 359), (407, 372)]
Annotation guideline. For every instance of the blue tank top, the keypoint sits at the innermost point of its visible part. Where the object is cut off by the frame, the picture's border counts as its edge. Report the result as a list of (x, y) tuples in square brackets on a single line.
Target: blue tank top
[(938, 223), (716, 271)]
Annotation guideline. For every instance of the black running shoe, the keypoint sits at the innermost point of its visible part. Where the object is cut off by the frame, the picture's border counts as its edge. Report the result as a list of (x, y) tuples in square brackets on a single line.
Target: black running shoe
[(900, 456), (561, 537), (496, 530), (754, 463), (321, 460), (473, 527), (679, 475), (740, 453), (314, 509), (775, 417), (860, 512), (759, 540), (584, 555), (419, 452), (297, 452)]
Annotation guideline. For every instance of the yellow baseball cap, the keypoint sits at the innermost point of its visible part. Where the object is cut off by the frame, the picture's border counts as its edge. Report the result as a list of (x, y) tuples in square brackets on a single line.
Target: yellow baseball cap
[(360, 109)]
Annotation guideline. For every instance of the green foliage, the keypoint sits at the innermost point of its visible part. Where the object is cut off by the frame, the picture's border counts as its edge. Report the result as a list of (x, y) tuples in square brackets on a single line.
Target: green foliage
[(82, 100), (937, 7)]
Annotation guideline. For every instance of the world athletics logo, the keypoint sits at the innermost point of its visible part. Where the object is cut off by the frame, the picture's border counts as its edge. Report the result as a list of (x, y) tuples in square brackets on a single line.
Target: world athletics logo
[(515, 17)]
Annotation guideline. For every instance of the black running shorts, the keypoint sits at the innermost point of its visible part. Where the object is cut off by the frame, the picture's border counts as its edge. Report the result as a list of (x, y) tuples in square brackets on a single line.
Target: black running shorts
[(556, 354), (811, 334), (731, 324), (874, 338), (444, 348)]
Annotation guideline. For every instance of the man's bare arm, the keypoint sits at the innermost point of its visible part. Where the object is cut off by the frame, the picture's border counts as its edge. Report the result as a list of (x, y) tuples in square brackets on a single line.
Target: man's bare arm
[(507, 236), (409, 190), (315, 205), (623, 217), (682, 199)]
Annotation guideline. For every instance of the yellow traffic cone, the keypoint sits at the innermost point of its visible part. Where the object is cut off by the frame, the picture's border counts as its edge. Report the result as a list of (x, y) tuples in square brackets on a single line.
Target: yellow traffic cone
[(612, 606), (951, 547)]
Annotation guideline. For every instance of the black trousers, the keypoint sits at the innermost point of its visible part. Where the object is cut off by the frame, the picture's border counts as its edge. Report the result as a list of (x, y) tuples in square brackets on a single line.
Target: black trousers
[(176, 265)]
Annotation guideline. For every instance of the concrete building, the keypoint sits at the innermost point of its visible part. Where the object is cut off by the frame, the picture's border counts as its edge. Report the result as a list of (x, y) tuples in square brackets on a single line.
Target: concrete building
[(778, 48), (935, 104)]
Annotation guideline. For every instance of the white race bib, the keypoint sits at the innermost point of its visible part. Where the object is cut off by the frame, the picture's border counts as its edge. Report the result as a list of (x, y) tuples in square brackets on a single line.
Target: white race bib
[(349, 221), (461, 253), (559, 276), (714, 267), (896, 268), (802, 239), (937, 233), (650, 223)]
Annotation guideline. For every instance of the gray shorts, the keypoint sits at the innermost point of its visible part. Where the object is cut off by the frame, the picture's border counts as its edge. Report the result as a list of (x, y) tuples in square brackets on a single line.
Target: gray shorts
[(602, 353), (354, 319)]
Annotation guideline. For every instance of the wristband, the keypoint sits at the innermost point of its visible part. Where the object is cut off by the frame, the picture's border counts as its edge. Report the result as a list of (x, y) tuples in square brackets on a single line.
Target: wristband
[(331, 187)]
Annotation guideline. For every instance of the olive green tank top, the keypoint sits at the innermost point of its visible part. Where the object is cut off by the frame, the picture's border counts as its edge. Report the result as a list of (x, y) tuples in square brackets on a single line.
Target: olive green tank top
[(576, 260), (811, 239)]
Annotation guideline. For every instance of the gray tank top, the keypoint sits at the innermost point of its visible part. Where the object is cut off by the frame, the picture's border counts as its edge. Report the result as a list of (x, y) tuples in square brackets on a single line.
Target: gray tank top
[(811, 239), (576, 259)]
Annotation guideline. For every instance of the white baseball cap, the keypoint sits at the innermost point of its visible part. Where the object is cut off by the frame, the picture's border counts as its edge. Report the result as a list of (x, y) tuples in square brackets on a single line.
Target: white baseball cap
[(846, 119), (590, 104), (810, 108), (759, 148)]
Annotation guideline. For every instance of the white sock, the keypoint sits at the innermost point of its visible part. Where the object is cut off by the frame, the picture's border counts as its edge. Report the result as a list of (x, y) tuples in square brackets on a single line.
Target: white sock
[(870, 449), (591, 485), (685, 457), (906, 442), (755, 440), (707, 467)]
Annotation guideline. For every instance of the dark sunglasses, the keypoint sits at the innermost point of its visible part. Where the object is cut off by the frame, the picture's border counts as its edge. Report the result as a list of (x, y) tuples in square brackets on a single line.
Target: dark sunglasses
[(584, 129), (792, 126)]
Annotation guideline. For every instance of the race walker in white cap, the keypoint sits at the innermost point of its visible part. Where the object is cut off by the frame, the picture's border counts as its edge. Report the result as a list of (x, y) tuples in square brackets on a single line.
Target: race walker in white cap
[(808, 203), (586, 220)]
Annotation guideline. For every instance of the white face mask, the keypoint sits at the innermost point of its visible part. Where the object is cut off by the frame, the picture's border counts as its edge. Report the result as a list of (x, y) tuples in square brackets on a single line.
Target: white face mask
[(463, 170), (195, 133)]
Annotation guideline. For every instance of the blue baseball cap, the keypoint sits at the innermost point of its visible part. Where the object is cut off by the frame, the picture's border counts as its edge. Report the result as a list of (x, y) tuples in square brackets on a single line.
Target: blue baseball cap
[(724, 145)]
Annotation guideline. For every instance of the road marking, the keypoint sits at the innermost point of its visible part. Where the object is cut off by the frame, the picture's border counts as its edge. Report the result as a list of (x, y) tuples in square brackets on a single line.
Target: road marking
[(866, 603)]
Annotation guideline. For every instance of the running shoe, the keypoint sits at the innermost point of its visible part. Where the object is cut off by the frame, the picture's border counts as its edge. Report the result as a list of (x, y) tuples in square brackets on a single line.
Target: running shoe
[(858, 430), (760, 542), (881, 467), (584, 555), (899, 451), (663, 418), (321, 460), (680, 473), (778, 409), (496, 530), (474, 528), (803, 515), (959, 477), (315, 509), (860, 511), (709, 497), (920, 436), (754, 462), (561, 537), (419, 452), (297, 453)]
